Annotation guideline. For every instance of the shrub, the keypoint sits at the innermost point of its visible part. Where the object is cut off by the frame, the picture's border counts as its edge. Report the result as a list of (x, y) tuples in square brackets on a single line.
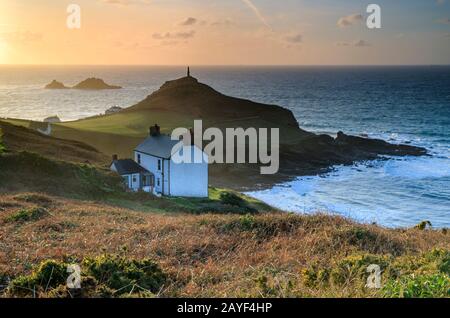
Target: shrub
[(124, 275), (262, 227), (25, 215), (49, 274), (423, 225), (354, 267), (102, 276), (418, 286), (366, 239), (231, 198), (312, 277)]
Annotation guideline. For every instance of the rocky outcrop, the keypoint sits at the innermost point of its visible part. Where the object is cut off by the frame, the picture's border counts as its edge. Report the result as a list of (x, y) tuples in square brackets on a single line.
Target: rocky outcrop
[(113, 110), (94, 84), (301, 152), (55, 85), (52, 119)]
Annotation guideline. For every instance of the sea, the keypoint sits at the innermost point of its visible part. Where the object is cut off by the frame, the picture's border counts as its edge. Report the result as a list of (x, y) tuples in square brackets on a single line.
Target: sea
[(400, 104)]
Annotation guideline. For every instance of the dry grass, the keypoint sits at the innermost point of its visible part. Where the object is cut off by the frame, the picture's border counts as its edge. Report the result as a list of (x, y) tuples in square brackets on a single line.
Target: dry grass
[(204, 255), (16, 139)]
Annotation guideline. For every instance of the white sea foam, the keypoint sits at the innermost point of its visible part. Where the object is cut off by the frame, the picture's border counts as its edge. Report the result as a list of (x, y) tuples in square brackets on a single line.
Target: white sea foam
[(388, 192), (418, 168)]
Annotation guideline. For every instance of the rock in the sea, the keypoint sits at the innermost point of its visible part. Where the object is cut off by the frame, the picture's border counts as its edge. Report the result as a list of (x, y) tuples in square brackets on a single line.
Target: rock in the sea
[(113, 110), (95, 83), (55, 85), (52, 119)]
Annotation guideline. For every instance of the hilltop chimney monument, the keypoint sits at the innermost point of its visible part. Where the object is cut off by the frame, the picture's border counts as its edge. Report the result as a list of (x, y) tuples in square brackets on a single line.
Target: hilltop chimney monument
[(188, 72)]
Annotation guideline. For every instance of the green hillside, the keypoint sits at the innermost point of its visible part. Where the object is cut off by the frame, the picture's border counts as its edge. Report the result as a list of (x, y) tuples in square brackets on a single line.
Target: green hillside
[(179, 102)]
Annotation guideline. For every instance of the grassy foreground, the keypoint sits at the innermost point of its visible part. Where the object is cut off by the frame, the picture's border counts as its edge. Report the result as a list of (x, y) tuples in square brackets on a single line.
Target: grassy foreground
[(123, 252), (60, 205)]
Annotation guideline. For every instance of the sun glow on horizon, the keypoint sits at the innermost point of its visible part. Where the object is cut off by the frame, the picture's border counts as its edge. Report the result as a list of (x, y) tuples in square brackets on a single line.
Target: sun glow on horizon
[(222, 33)]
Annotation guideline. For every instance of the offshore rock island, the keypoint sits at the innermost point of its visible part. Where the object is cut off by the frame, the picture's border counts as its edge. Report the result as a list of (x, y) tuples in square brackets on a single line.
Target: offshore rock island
[(88, 84)]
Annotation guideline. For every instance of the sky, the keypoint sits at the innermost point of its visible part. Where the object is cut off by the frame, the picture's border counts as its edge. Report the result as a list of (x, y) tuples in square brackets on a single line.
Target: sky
[(224, 32)]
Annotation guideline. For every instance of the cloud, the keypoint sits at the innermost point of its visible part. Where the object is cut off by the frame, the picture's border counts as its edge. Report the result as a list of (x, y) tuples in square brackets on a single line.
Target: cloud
[(21, 37), (174, 35), (439, 2), (295, 39), (189, 21), (359, 43), (126, 2), (258, 13), (349, 20), (225, 22), (444, 21)]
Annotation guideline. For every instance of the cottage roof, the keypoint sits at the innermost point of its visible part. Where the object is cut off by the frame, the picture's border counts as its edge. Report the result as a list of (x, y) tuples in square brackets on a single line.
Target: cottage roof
[(158, 146), (128, 166)]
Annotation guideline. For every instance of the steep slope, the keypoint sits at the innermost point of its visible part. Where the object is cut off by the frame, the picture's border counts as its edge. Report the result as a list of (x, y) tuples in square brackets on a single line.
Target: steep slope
[(16, 139), (199, 101)]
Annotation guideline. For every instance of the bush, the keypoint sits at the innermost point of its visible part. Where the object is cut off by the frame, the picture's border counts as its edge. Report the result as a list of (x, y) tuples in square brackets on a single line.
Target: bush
[(26, 215), (419, 286), (124, 275), (354, 267), (261, 226), (102, 276), (366, 239), (313, 277), (231, 198), (49, 274), (423, 225)]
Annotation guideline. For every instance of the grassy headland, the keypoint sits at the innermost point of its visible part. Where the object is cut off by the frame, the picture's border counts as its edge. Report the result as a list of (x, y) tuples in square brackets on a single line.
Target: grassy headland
[(179, 102), (57, 209)]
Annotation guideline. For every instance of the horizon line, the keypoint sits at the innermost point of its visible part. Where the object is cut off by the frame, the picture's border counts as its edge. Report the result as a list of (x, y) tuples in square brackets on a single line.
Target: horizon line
[(229, 65)]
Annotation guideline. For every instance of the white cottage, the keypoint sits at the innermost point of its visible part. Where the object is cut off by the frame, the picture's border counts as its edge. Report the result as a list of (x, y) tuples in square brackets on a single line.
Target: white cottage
[(135, 177), (155, 154)]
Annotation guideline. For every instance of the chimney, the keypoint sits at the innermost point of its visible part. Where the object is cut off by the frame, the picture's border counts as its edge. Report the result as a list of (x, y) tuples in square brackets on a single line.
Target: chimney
[(115, 157), (155, 131)]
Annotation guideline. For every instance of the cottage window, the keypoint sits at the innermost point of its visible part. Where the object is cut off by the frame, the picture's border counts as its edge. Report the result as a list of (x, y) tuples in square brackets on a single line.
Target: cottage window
[(139, 159), (134, 179), (159, 164), (157, 182), (126, 180)]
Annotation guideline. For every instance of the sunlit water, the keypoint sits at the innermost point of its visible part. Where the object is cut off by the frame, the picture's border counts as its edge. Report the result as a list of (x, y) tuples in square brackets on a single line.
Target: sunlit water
[(399, 104)]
